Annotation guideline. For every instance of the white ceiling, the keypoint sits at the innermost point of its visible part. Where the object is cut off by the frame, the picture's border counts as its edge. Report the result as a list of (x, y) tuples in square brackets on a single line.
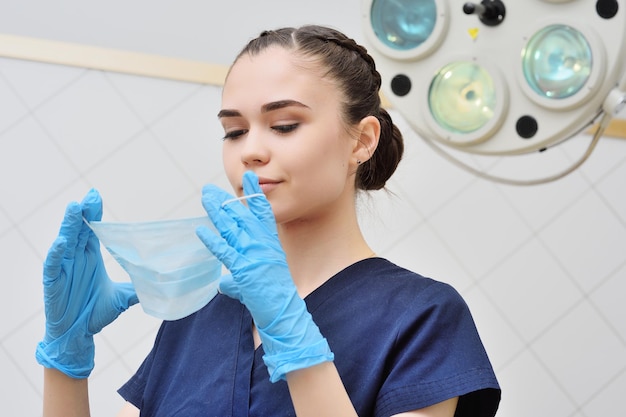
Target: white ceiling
[(207, 31)]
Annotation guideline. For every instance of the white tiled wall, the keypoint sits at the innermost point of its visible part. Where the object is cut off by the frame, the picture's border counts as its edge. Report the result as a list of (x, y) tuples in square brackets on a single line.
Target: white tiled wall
[(542, 268)]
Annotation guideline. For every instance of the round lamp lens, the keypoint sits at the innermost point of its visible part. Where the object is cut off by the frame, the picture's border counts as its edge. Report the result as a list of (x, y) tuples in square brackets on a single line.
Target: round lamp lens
[(557, 61), (462, 97), (403, 24)]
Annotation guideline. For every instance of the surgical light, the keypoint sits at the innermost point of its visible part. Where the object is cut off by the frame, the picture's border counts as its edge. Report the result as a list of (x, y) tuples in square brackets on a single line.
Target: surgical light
[(461, 97), (557, 61), (403, 24), (497, 79)]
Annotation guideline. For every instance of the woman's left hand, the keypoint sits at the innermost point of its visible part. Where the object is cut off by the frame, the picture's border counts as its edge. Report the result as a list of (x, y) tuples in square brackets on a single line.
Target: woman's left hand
[(260, 278)]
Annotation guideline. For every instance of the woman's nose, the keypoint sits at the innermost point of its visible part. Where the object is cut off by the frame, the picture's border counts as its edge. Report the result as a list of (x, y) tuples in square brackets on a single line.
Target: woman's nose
[(254, 150)]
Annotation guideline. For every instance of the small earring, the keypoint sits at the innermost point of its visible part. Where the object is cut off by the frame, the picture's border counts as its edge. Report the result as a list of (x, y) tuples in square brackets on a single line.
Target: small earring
[(358, 162)]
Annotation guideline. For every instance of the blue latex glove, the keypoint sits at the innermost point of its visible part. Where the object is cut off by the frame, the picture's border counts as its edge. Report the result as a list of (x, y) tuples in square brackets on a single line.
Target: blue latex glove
[(260, 278), (79, 297)]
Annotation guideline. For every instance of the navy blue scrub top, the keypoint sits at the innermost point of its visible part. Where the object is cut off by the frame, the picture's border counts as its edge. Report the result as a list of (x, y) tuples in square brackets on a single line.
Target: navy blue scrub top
[(401, 342)]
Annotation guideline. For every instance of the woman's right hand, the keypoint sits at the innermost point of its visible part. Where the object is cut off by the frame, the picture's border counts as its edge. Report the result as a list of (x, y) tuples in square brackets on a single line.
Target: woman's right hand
[(80, 299)]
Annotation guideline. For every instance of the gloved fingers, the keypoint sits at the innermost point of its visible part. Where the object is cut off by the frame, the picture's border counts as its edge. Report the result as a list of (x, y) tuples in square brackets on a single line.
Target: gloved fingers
[(235, 222), (55, 285), (250, 182), (229, 228), (218, 247), (126, 295), (220, 199), (83, 239), (92, 206), (53, 264), (107, 309), (259, 206), (70, 228), (216, 193), (229, 287), (236, 210), (244, 225)]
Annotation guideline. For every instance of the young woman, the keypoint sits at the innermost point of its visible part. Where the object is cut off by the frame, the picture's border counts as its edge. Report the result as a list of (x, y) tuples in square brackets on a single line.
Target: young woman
[(309, 322)]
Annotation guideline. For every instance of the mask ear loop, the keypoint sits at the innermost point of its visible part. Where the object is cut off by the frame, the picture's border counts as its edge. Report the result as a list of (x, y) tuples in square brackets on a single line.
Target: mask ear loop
[(244, 197), (87, 223)]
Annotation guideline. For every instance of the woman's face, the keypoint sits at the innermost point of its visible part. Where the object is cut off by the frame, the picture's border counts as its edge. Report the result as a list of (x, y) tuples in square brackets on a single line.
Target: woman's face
[(283, 121)]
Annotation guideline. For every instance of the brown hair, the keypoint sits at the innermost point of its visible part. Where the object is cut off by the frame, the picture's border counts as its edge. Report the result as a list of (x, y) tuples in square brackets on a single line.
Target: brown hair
[(354, 70)]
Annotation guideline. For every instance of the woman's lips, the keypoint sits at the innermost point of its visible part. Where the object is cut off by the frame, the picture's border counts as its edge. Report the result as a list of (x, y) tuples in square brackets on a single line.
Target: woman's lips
[(268, 186)]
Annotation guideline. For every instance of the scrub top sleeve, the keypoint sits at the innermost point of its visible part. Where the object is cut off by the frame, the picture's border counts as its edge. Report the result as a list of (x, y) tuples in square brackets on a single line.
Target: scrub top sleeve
[(438, 355), (133, 390)]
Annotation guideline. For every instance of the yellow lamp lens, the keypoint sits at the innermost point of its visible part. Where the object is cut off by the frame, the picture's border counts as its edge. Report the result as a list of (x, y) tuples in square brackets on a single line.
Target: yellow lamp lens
[(462, 97)]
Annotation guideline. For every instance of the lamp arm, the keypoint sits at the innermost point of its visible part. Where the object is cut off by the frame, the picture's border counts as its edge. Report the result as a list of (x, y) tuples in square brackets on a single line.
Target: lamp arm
[(604, 121), (616, 99)]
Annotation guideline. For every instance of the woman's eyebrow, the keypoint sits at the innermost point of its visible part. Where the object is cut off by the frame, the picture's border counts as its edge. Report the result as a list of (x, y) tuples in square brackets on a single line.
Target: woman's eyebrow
[(268, 107), (228, 113), (276, 105)]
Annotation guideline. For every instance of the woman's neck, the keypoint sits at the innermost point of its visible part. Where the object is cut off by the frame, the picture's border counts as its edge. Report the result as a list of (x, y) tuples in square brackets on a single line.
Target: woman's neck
[(318, 249)]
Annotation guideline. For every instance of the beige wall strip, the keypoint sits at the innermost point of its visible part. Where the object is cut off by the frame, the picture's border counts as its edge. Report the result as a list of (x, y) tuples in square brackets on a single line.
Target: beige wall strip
[(615, 129), (114, 60)]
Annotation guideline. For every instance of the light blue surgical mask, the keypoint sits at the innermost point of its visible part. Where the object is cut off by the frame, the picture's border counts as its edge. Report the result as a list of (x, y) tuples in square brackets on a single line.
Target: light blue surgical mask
[(174, 274)]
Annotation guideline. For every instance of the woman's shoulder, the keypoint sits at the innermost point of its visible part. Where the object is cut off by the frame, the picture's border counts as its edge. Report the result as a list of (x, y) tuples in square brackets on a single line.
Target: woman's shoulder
[(379, 284), (388, 278)]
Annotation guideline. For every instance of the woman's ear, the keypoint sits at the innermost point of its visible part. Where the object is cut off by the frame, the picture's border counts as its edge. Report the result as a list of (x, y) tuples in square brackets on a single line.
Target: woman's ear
[(367, 140)]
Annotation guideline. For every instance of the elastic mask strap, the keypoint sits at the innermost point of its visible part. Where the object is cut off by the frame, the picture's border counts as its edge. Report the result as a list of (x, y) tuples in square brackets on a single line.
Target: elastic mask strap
[(87, 222), (244, 197)]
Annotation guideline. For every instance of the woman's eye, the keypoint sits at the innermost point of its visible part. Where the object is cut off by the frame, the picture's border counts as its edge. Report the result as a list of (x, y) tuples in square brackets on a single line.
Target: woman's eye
[(285, 128), (234, 134)]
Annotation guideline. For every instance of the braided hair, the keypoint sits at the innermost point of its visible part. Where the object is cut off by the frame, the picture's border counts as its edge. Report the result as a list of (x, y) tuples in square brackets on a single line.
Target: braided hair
[(354, 70)]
